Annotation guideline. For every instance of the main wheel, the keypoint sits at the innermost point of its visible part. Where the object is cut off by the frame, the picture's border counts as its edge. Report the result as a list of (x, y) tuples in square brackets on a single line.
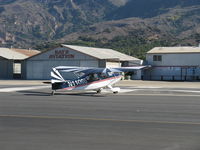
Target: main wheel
[(115, 92), (99, 91)]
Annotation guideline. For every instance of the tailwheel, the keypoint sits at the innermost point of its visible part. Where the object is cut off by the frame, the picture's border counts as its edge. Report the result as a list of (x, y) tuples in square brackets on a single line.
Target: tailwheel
[(116, 90)]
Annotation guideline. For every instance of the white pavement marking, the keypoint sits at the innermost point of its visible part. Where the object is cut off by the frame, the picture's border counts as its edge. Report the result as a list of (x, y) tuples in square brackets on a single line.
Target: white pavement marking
[(162, 89), (15, 89), (189, 91), (174, 90), (136, 87), (121, 90), (126, 90)]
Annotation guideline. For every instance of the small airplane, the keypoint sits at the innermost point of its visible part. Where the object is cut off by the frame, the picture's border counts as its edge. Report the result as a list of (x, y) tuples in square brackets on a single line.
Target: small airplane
[(83, 78)]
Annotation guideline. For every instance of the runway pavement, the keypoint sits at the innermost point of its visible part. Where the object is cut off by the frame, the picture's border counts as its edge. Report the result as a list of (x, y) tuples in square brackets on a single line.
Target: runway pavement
[(139, 118), (132, 87)]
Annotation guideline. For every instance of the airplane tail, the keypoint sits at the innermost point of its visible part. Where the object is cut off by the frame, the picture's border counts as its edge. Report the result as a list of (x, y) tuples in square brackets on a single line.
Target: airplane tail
[(57, 80)]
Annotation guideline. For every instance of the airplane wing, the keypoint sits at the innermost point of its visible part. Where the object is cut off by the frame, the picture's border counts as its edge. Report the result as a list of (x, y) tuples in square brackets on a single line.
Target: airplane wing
[(88, 70), (64, 73), (85, 70), (128, 69)]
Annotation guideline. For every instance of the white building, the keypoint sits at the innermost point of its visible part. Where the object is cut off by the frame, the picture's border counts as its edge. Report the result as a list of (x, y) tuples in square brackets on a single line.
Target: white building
[(39, 66), (173, 63)]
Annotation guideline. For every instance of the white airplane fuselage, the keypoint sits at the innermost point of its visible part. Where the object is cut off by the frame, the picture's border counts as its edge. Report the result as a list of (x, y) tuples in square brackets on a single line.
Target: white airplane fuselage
[(95, 85)]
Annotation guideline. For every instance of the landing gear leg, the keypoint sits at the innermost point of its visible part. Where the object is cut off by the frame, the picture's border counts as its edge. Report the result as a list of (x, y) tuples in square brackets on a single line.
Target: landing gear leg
[(99, 91), (53, 92)]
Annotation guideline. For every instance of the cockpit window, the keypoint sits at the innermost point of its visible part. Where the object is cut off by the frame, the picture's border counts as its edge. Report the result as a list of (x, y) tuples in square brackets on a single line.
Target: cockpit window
[(68, 75), (93, 77), (79, 74), (110, 73)]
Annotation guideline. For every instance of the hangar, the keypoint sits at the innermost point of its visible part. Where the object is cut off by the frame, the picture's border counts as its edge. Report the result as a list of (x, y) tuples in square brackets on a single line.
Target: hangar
[(11, 62), (173, 63), (39, 66)]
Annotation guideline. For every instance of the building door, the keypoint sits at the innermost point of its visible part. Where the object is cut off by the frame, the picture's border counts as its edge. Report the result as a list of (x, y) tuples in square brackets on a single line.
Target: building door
[(17, 69)]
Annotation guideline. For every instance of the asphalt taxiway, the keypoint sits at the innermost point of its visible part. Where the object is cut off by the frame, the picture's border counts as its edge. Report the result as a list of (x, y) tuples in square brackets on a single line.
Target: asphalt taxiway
[(141, 119)]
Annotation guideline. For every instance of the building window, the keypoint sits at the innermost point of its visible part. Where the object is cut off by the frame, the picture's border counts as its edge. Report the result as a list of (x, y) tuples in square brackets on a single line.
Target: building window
[(157, 58)]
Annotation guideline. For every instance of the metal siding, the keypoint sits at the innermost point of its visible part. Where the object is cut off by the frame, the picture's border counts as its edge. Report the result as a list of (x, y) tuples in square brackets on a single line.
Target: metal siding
[(10, 69), (175, 60), (42, 69), (39, 67), (77, 55), (102, 63), (173, 73), (137, 75), (34, 70), (86, 63), (3, 69), (23, 74), (181, 59)]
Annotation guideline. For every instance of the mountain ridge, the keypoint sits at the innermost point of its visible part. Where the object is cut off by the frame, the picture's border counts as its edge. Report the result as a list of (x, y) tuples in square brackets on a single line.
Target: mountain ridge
[(126, 25)]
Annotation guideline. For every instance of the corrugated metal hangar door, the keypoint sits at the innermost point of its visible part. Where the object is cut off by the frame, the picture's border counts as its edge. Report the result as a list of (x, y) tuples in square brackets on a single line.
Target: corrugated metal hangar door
[(89, 63), (6, 69), (41, 69)]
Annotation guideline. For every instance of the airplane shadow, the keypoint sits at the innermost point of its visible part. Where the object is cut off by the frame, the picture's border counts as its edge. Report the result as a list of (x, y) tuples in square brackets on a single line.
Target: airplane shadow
[(37, 93), (92, 94), (34, 93)]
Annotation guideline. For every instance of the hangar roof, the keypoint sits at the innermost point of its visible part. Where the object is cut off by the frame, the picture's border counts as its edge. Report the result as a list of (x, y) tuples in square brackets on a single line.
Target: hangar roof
[(17, 54), (26, 52), (101, 53), (174, 50)]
